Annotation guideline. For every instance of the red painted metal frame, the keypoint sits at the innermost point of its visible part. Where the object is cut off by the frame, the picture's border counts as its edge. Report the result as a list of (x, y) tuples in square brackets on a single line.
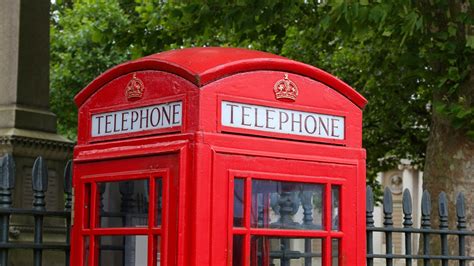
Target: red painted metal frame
[(108, 161), (339, 178), (151, 230), (326, 234), (350, 181), (206, 156)]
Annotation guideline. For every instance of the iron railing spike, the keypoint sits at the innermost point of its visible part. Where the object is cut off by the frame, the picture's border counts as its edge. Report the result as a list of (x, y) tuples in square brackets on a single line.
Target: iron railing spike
[(443, 225), (407, 209), (388, 223), (68, 186), (369, 217), (407, 223), (68, 177), (7, 172), (460, 206), (40, 186), (443, 205), (426, 224), (387, 201), (461, 212), (426, 203), (40, 175), (461, 226), (369, 199), (7, 183), (369, 211), (407, 202)]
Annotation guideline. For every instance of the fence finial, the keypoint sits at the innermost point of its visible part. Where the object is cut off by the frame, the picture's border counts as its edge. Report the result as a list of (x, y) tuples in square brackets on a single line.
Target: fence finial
[(461, 211), (40, 183), (68, 185), (387, 201), (7, 172), (7, 183), (426, 205), (443, 210), (40, 175), (387, 207), (407, 208), (369, 202)]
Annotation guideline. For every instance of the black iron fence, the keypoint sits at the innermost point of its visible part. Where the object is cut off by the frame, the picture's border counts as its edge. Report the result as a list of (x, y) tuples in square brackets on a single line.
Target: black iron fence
[(426, 232), (38, 210)]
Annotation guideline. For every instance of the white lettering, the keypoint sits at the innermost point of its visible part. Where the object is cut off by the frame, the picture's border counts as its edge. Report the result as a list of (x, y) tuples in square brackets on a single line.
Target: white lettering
[(269, 119), (159, 116)]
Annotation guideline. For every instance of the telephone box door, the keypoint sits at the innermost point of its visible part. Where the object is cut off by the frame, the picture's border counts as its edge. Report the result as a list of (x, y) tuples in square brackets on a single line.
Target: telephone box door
[(126, 206), (285, 212)]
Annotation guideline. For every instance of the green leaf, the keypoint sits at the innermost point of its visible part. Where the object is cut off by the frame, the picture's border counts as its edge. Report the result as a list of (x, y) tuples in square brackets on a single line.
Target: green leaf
[(387, 33), (463, 113), (452, 29), (96, 36), (470, 41)]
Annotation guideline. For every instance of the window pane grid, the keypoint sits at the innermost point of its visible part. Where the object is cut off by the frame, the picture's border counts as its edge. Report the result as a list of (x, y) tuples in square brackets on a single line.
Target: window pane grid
[(142, 203), (293, 231), (145, 234), (285, 251), (279, 205)]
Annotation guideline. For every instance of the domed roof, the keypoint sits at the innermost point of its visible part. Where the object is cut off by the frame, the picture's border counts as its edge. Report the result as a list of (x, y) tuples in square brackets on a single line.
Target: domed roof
[(204, 65)]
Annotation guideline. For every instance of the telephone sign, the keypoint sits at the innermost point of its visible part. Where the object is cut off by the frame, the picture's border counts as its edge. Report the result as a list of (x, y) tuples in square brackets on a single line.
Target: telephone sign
[(167, 115), (277, 120)]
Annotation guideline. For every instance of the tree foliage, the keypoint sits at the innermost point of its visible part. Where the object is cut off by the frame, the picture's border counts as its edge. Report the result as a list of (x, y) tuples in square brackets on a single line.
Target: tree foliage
[(408, 58)]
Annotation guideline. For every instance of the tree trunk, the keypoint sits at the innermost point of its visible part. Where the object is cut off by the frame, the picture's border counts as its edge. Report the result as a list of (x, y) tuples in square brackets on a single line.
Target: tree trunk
[(449, 167)]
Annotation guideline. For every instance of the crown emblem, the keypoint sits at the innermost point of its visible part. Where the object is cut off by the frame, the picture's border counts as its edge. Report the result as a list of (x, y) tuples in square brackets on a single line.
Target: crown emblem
[(285, 89), (135, 88)]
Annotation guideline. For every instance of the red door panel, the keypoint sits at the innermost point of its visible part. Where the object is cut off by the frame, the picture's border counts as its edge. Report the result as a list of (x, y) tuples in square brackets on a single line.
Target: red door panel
[(282, 211), (129, 209)]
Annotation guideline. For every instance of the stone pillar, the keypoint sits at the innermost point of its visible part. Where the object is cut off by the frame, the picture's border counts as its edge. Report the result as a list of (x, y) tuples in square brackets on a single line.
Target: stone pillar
[(27, 126)]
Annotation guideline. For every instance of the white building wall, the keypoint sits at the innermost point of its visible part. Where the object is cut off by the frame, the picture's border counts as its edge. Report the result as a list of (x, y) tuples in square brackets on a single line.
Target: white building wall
[(405, 177)]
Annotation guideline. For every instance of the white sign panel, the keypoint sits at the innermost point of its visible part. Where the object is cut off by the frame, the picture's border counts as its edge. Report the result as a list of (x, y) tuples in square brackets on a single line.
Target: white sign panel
[(153, 117), (276, 120)]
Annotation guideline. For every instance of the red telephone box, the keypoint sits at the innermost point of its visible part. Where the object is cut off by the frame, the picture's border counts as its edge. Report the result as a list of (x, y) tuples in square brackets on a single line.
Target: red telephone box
[(218, 156)]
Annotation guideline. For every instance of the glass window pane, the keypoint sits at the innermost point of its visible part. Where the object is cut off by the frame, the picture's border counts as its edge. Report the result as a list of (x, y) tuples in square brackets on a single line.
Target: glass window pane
[(123, 203), (290, 205), (159, 201), (335, 252), (123, 250), (85, 258), (238, 250), (285, 251), (239, 202), (335, 191), (87, 206)]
